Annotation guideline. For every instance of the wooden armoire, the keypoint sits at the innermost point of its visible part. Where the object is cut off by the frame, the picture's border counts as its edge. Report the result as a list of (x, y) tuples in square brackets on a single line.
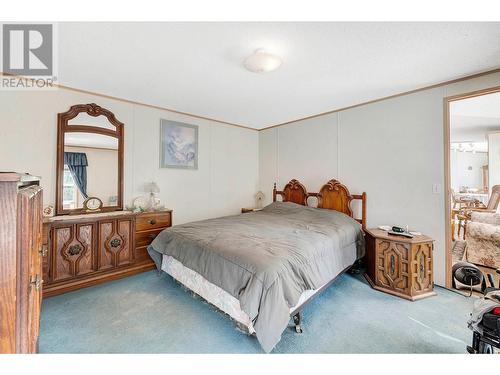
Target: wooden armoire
[(20, 262)]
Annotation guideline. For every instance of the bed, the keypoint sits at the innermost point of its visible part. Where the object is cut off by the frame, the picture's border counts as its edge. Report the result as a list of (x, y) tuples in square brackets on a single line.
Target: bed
[(263, 267)]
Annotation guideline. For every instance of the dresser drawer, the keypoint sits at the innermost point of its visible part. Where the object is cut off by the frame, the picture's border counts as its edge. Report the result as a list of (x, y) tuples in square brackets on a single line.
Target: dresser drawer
[(153, 221), (91, 249), (146, 237)]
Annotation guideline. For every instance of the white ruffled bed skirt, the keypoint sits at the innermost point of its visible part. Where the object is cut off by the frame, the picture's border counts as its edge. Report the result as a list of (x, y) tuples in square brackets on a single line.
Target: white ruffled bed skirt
[(212, 293)]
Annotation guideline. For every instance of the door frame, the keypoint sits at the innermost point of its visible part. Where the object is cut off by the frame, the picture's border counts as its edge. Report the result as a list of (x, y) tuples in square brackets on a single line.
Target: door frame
[(447, 173)]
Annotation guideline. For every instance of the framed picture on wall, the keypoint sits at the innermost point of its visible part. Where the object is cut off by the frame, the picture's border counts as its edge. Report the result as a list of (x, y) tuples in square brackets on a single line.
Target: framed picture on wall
[(178, 145)]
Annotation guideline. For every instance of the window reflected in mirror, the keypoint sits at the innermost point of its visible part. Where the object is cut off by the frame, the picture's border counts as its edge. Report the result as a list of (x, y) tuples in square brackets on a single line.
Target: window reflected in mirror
[(69, 190)]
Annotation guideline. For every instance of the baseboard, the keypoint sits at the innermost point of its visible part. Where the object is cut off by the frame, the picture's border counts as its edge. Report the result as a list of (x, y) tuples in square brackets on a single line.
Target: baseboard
[(56, 289)]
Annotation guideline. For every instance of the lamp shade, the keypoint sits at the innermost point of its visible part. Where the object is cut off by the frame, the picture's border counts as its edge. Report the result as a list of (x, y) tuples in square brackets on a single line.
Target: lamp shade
[(152, 187), (259, 198)]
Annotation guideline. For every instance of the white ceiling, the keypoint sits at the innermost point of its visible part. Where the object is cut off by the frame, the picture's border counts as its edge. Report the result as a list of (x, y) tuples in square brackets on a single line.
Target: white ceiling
[(473, 118), (197, 67)]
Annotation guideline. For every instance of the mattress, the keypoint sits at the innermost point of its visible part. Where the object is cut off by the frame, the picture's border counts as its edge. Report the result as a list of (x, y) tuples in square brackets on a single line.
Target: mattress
[(215, 295)]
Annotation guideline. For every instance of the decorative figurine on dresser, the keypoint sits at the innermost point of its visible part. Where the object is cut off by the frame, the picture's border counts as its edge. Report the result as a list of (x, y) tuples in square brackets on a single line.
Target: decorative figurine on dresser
[(91, 239), (400, 263)]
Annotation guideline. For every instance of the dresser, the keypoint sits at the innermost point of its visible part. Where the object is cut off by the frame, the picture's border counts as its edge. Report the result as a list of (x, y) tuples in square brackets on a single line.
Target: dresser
[(85, 250), (398, 265), (91, 239), (20, 262)]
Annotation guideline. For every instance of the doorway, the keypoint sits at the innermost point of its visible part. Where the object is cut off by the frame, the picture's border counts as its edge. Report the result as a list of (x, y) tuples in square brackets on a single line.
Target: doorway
[(472, 178)]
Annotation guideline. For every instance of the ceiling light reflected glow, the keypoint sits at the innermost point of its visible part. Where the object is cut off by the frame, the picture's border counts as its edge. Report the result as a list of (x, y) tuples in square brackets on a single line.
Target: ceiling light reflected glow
[(262, 62)]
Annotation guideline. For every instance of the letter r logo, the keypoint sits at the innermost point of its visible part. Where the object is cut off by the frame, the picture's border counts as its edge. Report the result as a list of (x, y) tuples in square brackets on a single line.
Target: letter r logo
[(27, 49)]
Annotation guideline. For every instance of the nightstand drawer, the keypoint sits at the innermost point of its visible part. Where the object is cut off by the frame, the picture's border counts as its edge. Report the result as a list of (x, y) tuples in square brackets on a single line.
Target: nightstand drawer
[(153, 221), (146, 237)]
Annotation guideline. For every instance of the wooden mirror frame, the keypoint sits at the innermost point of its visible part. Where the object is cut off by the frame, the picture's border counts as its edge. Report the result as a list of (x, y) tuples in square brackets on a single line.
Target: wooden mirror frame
[(93, 110)]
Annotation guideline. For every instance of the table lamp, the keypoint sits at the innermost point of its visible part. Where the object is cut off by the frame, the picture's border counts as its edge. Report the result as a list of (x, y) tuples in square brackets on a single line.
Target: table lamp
[(152, 188)]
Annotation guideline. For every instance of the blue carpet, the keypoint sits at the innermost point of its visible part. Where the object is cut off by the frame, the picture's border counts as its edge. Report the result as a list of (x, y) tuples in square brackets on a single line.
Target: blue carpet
[(148, 313)]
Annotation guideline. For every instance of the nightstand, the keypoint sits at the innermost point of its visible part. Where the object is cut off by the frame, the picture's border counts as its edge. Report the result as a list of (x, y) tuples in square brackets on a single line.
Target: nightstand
[(147, 226), (245, 210), (398, 265)]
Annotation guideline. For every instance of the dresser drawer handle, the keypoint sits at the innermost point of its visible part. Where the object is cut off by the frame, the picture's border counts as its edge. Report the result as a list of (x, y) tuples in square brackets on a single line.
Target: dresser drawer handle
[(152, 221), (75, 249), (115, 242), (43, 251), (36, 283)]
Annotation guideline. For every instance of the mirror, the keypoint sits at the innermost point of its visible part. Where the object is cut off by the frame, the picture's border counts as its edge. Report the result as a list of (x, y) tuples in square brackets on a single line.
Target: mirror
[(89, 160)]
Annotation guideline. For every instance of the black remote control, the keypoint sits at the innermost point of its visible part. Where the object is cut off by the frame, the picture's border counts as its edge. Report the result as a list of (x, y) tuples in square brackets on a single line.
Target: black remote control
[(404, 234)]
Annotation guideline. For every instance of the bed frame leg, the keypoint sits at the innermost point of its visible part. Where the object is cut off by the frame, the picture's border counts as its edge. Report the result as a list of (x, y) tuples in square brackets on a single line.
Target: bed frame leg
[(296, 320)]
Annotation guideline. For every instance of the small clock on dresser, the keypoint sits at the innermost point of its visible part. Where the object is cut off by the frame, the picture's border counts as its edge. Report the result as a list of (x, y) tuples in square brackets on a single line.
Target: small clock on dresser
[(92, 204)]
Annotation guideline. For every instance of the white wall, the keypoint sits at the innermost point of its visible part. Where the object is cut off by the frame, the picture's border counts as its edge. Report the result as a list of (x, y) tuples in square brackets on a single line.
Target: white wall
[(392, 149), (227, 175), (494, 159), (461, 175)]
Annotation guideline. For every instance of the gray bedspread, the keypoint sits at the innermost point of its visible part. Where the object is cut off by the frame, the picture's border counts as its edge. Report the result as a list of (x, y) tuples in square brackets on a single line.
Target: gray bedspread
[(266, 259)]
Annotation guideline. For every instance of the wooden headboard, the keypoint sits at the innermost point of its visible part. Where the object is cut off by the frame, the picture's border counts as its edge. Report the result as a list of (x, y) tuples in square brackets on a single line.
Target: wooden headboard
[(332, 196)]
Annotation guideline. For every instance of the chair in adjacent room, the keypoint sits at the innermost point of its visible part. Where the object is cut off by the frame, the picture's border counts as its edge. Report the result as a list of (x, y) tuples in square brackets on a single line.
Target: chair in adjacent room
[(464, 215), (483, 239)]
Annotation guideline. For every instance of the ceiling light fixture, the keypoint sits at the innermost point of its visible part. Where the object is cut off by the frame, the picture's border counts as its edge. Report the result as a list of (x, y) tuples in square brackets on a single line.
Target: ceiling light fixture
[(262, 62)]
